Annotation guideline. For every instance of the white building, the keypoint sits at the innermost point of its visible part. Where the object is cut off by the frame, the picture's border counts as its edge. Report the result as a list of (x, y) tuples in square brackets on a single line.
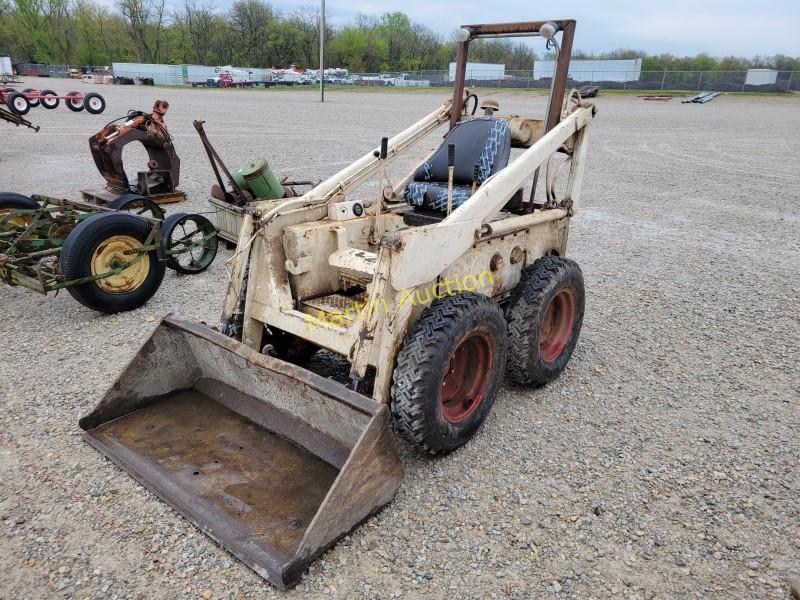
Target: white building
[(480, 71), (761, 77), (5, 66), (593, 70)]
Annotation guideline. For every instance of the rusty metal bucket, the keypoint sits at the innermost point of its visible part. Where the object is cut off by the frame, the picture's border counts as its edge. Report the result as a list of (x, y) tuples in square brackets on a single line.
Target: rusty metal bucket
[(272, 461)]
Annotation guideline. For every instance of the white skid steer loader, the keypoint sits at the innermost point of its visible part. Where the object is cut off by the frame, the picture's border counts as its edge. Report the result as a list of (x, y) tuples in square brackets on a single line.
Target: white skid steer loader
[(448, 281)]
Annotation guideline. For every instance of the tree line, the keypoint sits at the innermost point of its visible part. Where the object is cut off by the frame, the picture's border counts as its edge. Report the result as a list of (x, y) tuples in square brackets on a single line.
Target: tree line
[(254, 33)]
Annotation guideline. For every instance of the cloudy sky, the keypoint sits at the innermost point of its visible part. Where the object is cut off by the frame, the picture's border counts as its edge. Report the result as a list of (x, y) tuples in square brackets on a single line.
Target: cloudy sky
[(736, 27)]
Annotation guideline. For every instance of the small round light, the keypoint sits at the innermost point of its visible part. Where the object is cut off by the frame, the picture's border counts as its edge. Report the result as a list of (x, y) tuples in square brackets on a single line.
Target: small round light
[(548, 30), (463, 34)]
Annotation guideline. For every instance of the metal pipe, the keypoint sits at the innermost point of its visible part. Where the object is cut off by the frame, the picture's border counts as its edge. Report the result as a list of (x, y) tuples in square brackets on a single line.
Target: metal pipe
[(458, 86), (322, 52)]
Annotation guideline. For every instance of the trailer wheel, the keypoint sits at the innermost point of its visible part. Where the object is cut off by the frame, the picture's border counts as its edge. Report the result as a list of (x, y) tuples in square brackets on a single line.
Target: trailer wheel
[(190, 242), (18, 103), (139, 205), (10, 202), (98, 245), (94, 103), (544, 316), (49, 99), (34, 101), (449, 370), (74, 101)]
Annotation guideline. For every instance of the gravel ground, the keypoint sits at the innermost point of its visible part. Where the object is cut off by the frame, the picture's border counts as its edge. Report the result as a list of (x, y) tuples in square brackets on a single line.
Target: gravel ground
[(663, 463)]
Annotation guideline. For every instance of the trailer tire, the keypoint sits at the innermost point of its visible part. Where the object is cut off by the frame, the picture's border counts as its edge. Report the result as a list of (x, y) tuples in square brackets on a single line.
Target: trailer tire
[(14, 200), (544, 315), (46, 97), (94, 103), (75, 101), (11, 200), (18, 103), (449, 371), (35, 101), (89, 250)]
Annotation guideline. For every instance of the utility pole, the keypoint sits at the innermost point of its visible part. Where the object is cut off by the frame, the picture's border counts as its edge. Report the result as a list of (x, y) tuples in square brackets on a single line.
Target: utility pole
[(322, 51)]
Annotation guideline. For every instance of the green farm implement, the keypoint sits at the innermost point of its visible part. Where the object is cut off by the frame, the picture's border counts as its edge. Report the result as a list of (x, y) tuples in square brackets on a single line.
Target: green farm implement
[(109, 259)]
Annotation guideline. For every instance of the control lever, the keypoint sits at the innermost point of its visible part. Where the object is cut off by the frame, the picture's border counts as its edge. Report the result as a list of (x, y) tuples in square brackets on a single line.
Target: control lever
[(451, 167)]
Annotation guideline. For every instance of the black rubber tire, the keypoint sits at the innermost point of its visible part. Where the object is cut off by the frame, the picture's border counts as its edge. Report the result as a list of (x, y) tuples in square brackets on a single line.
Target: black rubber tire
[(525, 313), (127, 203), (35, 101), (91, 99), (424, 360), (287, 346), (210, 249), (80, 245), (74, 108), (14, 200), (49, 104), (18, 103)]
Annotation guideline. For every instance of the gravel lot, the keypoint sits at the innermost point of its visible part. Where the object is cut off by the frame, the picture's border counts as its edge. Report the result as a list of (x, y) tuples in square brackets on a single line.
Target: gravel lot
[(663, 463)]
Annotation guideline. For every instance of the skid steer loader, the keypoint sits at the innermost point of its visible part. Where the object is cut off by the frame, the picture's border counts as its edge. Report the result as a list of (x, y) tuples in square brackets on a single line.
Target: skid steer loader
[(433, 291)]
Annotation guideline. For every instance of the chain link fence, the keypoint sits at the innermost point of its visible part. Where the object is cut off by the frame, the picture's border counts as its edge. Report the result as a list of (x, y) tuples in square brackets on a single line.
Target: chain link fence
[(757, 80), (718, 81)]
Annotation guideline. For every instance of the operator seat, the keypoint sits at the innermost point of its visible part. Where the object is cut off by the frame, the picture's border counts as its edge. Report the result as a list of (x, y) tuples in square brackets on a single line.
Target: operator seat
[(485, 142)]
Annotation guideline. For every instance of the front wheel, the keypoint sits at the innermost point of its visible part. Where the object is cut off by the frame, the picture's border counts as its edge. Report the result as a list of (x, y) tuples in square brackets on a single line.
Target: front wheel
[(100, 246), (449, 370), (545, 315)]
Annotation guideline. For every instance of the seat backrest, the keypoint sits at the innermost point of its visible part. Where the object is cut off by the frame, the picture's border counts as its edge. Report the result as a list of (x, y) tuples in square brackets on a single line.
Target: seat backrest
[(485, 141)]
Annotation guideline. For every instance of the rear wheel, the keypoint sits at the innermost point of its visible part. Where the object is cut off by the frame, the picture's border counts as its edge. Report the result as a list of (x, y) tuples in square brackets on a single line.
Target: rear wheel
[(10, 218), (18, 103), (449, 370), (94, 103), (101, 244), (49, 99), (74, 101), (545, 315)]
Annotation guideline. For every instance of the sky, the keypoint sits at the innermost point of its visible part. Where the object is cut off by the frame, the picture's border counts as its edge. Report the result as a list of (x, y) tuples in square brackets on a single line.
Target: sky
[(681, 27)]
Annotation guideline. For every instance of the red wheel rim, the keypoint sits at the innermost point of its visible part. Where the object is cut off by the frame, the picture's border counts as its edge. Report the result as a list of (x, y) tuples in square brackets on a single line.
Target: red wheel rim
[(466, 380), (559, 319)]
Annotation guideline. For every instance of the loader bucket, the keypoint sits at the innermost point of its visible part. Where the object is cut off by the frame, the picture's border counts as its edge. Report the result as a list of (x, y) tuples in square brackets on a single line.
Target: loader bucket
[(273, 462)]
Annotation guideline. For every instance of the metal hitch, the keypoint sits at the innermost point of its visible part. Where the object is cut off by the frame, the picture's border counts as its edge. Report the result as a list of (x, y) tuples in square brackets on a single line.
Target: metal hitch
[(273, 462)]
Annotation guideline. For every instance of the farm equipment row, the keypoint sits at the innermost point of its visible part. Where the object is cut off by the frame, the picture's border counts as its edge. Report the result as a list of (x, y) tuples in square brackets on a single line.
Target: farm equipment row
[(110, 259), (20, 103)]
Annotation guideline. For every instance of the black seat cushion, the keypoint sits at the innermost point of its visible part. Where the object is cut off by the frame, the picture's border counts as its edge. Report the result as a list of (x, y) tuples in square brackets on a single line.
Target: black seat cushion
[(485, 142)]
